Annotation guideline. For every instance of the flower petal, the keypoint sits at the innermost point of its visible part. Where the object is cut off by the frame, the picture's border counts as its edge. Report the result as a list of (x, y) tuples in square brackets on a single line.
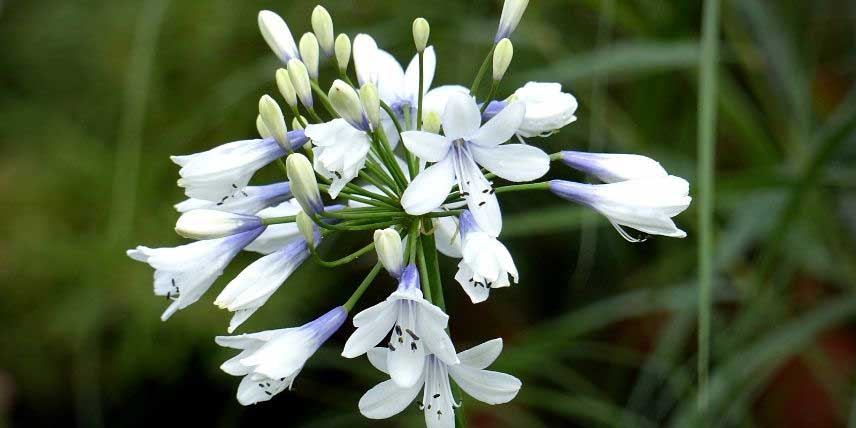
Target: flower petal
[(501, 128), (371, 332), (513, 162), (365, 54), (429, 189), (387, 399), (390, 77), (435, 100), (484, 385), (405, 363), (462, 118), (377, 357), (483, 355), (411, 76), (426, 146), (448, 236), (432, 324), (478, 292)]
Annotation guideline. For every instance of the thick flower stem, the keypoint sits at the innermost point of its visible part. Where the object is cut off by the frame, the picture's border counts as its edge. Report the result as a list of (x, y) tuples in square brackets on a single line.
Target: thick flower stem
[(342, 261), (429, 250), (362, 288), (482, 70), (423, 273), (421, 90), (450, 213), (523, 187), (279, 220), (410, 251), (322, 97)]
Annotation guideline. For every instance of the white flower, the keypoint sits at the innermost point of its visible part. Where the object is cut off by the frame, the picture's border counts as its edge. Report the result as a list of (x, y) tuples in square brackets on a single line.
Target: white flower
[(389, 250), (276, 236), (184, 273), (213, 224), (270, 360), (458, 154), (486, 262), (249, 200), (224, 170), (277, 35), (512, 12), (611, 168), (340, 152), (645, 204), (257, 282), (418, 329), (447, 234), (548, 109), (388, 399)]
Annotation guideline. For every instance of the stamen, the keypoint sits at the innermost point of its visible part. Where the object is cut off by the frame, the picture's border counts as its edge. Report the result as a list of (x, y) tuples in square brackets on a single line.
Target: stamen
[(412, 334)]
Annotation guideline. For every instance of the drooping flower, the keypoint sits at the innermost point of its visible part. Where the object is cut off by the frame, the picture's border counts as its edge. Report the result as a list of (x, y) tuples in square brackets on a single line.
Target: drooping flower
[(270, 360), (225, 170), (184, 273), (548, 109), (388, 398), (249, 200), (257, 282), (417, 326), (645, 204), (611, 168), (486, 263), (458, 154)]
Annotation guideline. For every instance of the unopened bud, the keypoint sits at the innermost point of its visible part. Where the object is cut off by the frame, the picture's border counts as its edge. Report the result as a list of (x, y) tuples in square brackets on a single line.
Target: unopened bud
[(421, 31), (346, 102), (309, 54), (307, 228), (212, 224), (264, 132), (277, 35), (322, 26), (283, 82), (300, 80), (389, 250), (502, 58), (304, 185), (343, 51), (432, 123), (371, 104), (512, 11), (297, 123), (273, 120)]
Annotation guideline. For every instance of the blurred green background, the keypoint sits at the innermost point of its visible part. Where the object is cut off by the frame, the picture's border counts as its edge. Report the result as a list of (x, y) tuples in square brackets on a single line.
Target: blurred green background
[(96, 94)]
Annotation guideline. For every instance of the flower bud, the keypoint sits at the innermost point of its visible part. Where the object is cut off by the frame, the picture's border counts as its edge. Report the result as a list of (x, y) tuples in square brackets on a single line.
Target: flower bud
[(283, 82), (502, 58), (421, 31), (309, 54), (512, 11), (300, 80), (213, 224), (432, 123), (277, 35), (296, 123), (306, 227), (273, 120), (322, 26), (304, 186), (343, 51), (264, 132), (371, 104), (346, 102), (389, 250)]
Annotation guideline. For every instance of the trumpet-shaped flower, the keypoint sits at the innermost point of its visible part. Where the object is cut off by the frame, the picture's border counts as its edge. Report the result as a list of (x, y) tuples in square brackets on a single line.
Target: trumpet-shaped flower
[(225, 170), (548, 109), (486, 263), (270, 360), (388, 398), (249, 200), (340, 152), (184, 273), (417, 329), (458, 154), (257, 282), (611, 168), (645, 204)]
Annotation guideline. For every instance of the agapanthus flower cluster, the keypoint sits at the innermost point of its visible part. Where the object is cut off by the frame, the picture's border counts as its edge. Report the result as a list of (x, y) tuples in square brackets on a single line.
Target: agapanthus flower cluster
[(382, 150)]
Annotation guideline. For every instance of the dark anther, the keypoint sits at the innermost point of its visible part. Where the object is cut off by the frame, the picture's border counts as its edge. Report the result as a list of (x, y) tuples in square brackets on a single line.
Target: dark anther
[(234, 186), (398, 330), (465, 193), (482, 203), (412, 334), (391, 348), (485, 190), (413, 346), (261, 385), (436, 395), (400, 339), (268, 393)]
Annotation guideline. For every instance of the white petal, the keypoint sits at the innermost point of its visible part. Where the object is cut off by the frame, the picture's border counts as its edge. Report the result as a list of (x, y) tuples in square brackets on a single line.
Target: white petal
[(501, 128), (481, 200), (429, 189), (370, 332), (387, 399), (462, 117), (483, 355), (365, 54), (513, 162), (411, 76), (478, 292), (432, 322), (435, 100), (484, 385), (448, 236), (249, 392), (405, 364), (377, 357), (426, 146)]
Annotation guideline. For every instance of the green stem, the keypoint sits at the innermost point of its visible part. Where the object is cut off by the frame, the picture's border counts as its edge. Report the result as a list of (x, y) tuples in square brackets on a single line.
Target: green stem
[(392, 165), (706, 152), (391, 196), (279, 220), (281, 164), (493, 86), (380, 173), (410, 252), (450, 213), (314, 115), (429, 249), (351, 197), (322, 97), (544, 185), (412, 163), (362, 288), (344, 260), (349, 215), (421, 86), (355, 226), (482, 70), (423, 272)]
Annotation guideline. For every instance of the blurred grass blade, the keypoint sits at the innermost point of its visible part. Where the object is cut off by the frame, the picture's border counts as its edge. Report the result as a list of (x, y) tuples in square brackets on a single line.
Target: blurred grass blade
[(706, 153)]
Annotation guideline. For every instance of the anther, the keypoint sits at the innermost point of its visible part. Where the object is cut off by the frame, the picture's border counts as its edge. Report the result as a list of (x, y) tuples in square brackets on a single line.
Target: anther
[(412, 334)]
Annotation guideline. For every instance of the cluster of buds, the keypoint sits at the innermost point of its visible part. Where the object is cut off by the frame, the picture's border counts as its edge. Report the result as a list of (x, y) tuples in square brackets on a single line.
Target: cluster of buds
[(383, 151)]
